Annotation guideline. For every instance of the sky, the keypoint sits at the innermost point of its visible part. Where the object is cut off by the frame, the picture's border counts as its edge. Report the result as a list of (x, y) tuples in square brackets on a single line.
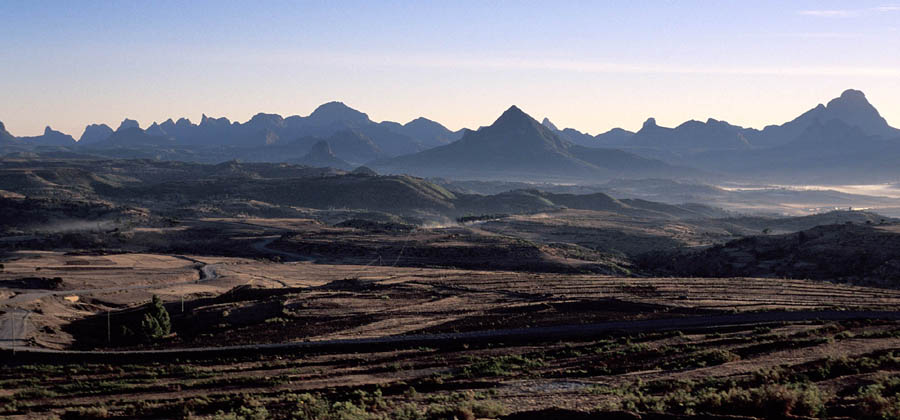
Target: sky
[(590, 65)]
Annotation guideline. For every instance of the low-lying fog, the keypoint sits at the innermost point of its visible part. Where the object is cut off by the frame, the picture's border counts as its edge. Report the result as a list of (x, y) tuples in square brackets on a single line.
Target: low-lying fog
[(809, 199), (875, 190)]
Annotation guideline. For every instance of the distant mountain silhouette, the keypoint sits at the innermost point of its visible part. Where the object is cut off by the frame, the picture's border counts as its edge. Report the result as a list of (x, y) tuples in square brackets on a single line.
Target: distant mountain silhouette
[(369, 140), (5, 137), (428, 132), (182, 129), (846, 136), (549, 124), (334, 117), (851, 107), (691, 136), (94, 133), (349, 145), (156, 131), (825, 152), (50, 137), (131, 137), (127, 123), (614, 138), (572, 135), (336, 113), (517, 145), (321, 156), (325, 121)]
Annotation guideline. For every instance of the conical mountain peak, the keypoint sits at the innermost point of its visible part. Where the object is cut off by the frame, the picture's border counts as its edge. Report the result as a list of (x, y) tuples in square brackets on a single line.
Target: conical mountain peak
[(514, 111), (514, 116), (321, 155)]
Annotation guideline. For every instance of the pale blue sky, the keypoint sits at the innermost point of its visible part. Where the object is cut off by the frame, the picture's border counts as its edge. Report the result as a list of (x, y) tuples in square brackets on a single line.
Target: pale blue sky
[(589, 65)]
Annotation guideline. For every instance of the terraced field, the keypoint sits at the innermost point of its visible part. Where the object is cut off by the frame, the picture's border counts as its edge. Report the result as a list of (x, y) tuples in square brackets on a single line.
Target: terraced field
[(283, 333), (764, 371), (221, 301)]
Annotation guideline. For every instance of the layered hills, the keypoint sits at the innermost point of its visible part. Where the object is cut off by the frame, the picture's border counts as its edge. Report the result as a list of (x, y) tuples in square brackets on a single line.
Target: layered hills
[(175, 187), (849, 252)]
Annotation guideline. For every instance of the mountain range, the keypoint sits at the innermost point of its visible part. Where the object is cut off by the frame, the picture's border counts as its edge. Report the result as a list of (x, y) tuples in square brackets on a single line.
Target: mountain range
[(328, 120), (845, 139), (851, 108), (516, 146)]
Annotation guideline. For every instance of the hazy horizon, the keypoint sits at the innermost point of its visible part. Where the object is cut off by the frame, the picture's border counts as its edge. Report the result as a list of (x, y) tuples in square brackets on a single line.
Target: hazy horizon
[(590, 67)]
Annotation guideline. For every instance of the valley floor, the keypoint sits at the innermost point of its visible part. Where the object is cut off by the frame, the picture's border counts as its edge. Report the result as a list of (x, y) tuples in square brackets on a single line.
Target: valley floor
[(815, 345)]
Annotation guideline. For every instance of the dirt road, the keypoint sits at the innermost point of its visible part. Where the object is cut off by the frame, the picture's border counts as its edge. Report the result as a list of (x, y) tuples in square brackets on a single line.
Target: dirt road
[(14, 328), (263, 247)]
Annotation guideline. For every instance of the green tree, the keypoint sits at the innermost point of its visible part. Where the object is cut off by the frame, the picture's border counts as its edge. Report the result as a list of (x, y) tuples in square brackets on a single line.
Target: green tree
[(156, 322)]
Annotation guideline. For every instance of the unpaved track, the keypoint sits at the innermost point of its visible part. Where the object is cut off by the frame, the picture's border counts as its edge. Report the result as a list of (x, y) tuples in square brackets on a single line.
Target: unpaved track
[(263, 247), (532, 333), (14, 328)]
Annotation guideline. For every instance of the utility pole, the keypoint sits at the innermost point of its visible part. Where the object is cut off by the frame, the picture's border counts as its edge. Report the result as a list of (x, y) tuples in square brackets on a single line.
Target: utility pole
[(108, 328), (182, 303)]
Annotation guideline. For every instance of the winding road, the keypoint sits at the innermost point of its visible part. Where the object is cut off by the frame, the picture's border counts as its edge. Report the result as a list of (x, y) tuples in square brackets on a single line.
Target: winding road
[(263, 247)]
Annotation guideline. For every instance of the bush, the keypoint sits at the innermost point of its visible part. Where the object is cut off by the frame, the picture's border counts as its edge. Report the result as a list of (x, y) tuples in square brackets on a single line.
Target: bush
[(314, 407), (768, 401), (87, 413), (500, 366), (880, 400), (702, 359)]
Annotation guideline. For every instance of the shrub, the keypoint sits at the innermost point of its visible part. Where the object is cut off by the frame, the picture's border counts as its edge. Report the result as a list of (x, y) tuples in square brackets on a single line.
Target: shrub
[(702, 359), (880, 400), (87, 413), (310, 407), (500, 366), (314, 407), (768, 401)]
